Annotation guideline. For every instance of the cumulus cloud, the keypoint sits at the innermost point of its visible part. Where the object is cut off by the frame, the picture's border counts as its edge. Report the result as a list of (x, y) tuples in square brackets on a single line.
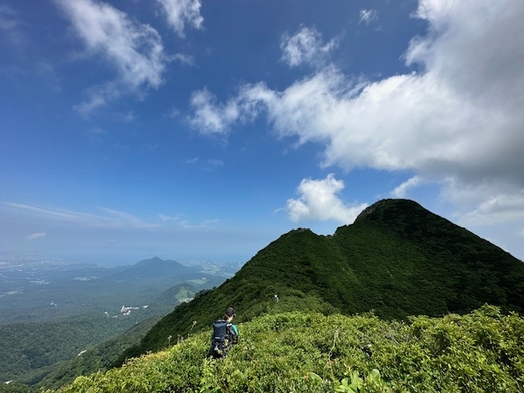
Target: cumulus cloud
[(458, 120), (37, 235), (134, 50), (305, 46), (180, 12), (318, 201)]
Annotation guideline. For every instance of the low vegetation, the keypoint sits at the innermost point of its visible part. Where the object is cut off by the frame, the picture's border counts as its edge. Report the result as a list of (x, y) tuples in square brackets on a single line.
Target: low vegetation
[(311, 352)]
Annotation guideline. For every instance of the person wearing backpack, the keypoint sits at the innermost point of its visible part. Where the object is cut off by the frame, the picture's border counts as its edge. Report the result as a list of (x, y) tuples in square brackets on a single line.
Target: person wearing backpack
[(225, 334)]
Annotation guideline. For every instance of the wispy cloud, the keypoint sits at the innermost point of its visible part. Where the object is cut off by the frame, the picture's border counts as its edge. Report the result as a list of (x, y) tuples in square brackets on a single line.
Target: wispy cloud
[(11, 26), (127, 219), (213, 164), (113, 219), (96, 134), (500, 208), (37, 235), (180, 221), (209, 117), (368, 16), (305, 46), (192, 161), (182, 12), (133, 50), (318, 201)]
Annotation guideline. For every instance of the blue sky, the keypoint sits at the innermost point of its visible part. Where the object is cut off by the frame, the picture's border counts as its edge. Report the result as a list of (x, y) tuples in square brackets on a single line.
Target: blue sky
[(200, 129)]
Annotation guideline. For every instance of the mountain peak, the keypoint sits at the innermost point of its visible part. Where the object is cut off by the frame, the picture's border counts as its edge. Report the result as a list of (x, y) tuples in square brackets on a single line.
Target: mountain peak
[(150, 261), (390, 204)]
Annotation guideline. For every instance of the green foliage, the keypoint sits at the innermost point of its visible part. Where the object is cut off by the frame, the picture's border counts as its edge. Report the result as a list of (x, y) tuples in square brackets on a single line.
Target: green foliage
[(14, 387), (311, 352)]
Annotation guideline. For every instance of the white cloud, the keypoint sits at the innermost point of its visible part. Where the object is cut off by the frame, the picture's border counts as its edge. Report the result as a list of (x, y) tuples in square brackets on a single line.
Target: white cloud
[(367, 16), (402, 190), (458, 120), (318, 201), (492, 205), (210, 118), (134, 50), (180, 12), (305, 47), (37, 235), (499, 208)]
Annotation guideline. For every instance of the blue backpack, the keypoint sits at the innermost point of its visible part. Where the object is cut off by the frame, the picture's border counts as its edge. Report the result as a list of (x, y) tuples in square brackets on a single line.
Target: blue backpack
[(225, 334)]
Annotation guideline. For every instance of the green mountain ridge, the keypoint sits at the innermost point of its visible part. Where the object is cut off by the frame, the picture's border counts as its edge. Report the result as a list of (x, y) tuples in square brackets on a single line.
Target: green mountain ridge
[(397, 260)]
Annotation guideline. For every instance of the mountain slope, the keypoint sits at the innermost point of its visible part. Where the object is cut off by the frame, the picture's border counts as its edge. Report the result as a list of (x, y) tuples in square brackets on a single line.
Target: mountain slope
[(455, 267), (397, 259)]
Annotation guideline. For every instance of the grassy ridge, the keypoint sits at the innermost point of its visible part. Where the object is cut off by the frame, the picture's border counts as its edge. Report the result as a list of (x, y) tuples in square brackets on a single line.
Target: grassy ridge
[(310, 352)]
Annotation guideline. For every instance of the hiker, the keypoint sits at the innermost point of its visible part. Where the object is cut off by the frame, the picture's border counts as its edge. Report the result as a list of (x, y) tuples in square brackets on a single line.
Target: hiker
[(225, 334)]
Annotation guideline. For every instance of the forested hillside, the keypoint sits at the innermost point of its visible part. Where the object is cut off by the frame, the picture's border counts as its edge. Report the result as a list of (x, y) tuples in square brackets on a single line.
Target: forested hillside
[(96, 358), (397, 259)]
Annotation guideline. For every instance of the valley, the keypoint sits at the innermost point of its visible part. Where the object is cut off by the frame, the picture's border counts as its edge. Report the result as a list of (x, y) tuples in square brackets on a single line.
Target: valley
[(52, 311)]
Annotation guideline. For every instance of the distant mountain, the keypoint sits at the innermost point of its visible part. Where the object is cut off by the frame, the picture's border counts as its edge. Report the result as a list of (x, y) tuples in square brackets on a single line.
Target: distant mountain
[(397, 259), (156, 267)]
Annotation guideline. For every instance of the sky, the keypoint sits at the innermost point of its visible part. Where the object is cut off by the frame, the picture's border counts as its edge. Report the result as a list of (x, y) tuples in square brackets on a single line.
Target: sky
[(204, 130)]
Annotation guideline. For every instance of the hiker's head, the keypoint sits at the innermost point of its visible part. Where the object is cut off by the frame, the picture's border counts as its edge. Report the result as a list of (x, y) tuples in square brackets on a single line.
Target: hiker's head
[(230, 313)]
